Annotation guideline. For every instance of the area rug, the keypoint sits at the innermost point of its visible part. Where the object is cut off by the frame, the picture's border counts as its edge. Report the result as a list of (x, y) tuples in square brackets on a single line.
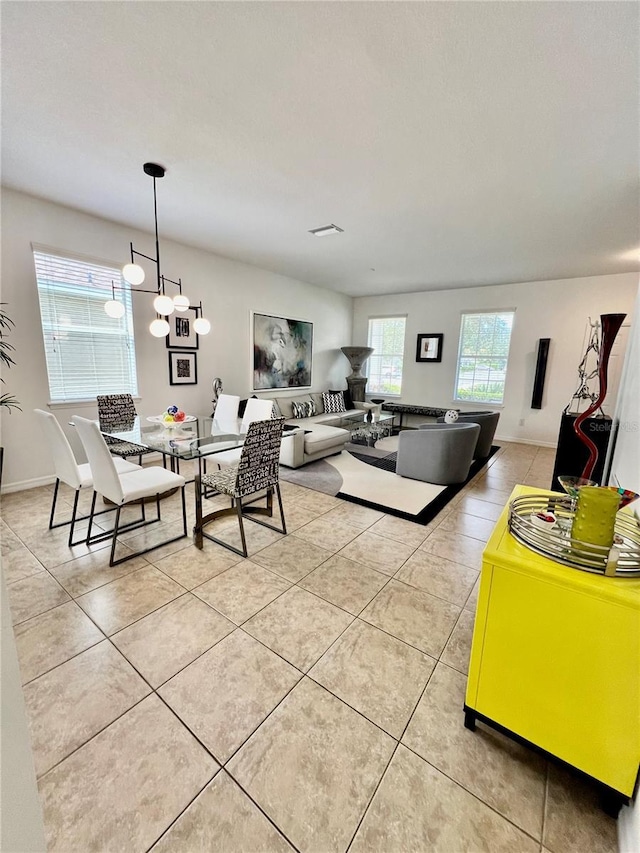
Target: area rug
[(366, 476)]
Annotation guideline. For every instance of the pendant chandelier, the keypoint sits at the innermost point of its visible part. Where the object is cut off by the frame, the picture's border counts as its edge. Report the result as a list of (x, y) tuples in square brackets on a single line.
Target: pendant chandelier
[(163, 304)]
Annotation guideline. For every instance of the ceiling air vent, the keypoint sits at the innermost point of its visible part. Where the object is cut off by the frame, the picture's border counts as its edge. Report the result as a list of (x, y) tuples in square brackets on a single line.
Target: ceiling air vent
[(326, 230)]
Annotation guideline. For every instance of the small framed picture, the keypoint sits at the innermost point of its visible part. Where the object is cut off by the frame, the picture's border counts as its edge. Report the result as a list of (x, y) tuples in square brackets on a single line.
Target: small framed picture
[(181, 332), (183, 368), (429, 347)]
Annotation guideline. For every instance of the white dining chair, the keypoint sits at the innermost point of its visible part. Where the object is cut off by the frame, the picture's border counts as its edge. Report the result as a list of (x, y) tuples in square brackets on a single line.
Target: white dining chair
[(68, 471), (122, 489), (256, 410), (227, 408)]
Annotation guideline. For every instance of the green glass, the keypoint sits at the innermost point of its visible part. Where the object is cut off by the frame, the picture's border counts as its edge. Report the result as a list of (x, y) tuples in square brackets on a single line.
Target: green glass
[(595, 516)]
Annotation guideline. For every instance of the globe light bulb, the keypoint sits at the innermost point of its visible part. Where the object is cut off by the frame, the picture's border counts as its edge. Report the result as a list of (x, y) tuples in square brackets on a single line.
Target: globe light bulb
[(180, 302), (163, 305), (133, 273), (202, 326), (114, 309), (159, 328)]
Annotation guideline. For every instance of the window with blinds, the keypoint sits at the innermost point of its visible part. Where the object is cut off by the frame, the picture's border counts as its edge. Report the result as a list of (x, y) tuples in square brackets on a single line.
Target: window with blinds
[(384, 365), (88, 353), (483, 356)]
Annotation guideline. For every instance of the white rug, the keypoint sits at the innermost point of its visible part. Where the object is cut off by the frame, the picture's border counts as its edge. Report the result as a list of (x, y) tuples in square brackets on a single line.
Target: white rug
[(371, 484), (366, 483)]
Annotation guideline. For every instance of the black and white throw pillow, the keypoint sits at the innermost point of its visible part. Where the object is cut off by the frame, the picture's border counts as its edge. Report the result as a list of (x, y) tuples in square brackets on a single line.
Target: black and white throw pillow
[(348, 402), (333, 403), (304, 409)]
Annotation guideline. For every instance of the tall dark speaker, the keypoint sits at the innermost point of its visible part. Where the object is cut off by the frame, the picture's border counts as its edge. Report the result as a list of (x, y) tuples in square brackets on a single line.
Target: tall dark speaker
[(541, 369), (572, 455)]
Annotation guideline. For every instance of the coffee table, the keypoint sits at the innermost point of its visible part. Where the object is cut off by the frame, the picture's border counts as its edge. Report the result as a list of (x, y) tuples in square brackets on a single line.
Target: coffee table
[(368, 432)]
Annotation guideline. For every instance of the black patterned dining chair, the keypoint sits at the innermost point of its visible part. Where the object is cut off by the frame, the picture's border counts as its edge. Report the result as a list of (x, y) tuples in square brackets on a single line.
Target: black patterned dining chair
[(118, 412), (257, 470)]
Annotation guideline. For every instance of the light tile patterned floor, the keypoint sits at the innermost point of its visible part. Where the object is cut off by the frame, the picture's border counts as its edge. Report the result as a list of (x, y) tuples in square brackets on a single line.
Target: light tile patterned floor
[(307, 698)]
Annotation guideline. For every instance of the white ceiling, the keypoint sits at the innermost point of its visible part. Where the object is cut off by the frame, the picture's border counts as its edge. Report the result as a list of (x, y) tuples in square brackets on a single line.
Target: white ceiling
[(456, 143)]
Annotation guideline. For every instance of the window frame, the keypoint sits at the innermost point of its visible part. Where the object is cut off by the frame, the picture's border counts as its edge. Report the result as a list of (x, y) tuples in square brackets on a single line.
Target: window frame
[(484, 312), (126, 337), (401, 355)]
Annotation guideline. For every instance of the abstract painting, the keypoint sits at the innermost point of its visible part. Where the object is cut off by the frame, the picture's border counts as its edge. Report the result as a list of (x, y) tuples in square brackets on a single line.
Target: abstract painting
[(282, 351)]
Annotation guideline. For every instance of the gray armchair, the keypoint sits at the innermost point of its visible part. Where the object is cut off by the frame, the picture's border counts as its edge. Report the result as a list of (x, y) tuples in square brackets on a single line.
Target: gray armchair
[(437, 453), (488, 422)]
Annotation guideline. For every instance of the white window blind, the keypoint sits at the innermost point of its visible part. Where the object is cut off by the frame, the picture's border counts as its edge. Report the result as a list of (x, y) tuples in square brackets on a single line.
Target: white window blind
[(483, 356), (87, 352), (384, 366)]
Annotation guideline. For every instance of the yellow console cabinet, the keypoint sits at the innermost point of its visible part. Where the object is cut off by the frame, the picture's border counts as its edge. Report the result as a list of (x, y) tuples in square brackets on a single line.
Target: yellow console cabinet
[(555, 660)]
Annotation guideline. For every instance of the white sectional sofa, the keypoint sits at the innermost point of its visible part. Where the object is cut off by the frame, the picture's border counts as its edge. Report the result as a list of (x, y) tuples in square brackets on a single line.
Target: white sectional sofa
[(317, 436)]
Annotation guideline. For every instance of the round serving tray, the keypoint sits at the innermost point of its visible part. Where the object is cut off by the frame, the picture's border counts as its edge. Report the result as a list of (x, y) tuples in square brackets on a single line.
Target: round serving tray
[(557, 544)]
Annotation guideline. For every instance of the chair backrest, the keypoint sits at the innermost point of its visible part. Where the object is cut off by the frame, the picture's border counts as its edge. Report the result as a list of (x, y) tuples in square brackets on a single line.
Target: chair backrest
[(257, 410), (116, 410), (64, 460), (226, 408), (259, 465), (488, 423), (103, 469)]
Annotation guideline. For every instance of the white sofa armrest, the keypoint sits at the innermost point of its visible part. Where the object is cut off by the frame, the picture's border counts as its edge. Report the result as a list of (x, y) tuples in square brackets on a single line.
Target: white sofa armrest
[(292, 448), (376, 408)]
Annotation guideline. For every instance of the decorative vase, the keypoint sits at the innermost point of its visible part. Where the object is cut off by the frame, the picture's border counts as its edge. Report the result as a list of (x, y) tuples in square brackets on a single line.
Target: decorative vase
[(610, 325), (356, 382)]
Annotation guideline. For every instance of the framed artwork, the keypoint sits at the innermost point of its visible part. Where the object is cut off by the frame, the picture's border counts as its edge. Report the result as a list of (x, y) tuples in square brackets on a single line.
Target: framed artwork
[(181, 333), (429, 347), (183, 368), (282, 352)]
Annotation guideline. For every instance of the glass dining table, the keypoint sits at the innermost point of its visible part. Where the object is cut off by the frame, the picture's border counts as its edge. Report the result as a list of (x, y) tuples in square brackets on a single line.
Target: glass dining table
[(194, 439)]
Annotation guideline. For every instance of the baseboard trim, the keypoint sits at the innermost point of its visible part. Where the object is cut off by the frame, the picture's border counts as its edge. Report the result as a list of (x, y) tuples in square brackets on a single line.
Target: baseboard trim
[(22, 485), (537, 442)]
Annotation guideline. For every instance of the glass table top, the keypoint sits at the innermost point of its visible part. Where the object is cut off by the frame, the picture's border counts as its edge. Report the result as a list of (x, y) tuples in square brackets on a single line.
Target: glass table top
[(189, 440), (355, 420)]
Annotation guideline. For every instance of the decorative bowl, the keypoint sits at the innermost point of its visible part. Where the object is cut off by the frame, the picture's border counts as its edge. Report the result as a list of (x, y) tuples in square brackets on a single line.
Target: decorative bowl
[(159, 419), (543, 520)]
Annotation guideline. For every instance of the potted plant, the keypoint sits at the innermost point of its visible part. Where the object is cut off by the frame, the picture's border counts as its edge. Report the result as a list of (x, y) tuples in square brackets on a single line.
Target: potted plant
[(6, 360)]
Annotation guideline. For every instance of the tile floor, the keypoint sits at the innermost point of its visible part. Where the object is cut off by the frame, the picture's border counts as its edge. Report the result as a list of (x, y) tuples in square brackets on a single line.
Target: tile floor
[(309, 697)]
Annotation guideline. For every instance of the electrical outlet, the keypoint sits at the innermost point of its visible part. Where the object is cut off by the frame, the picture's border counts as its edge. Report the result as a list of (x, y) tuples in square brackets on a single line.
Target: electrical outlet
[(521, 421)]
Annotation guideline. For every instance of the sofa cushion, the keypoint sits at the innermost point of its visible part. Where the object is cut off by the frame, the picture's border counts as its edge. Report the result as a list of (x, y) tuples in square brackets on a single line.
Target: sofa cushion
[(333, 403), (285, 406), (303, 408), (317, 399), (324, 437)]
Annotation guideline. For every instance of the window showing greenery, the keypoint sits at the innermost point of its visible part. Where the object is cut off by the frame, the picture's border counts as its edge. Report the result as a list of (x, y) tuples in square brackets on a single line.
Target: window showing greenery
[(87, 352), (384, 366), (483, 356)]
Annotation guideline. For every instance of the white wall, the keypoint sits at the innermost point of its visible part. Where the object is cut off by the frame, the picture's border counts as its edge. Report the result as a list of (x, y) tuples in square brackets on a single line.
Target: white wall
[(229, 290), (625, 471), (544, 309)]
